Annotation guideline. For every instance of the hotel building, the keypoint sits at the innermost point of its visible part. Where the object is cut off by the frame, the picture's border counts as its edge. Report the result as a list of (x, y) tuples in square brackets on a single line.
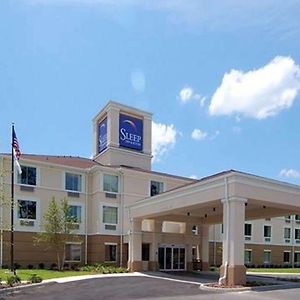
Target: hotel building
[(130, 215)]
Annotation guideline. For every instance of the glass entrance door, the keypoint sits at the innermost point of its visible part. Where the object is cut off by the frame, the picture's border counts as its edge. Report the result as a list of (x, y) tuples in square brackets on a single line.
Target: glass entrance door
[(171, 257)]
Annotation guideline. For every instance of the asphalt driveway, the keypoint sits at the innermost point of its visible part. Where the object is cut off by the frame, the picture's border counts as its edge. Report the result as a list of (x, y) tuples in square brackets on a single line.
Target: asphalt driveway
[(155, 286)]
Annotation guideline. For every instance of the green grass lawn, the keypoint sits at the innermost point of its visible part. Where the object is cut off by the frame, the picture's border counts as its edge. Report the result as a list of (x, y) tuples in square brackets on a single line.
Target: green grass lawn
[(274, 270), (24, 274)]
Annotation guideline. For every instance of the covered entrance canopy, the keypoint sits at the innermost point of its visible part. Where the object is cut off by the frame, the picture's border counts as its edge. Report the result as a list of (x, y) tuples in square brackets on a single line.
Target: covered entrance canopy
[(230, 198)]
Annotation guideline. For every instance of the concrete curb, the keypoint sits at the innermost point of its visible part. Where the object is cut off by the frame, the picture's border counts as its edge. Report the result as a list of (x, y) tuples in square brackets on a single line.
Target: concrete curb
[(288, 285), (10, 290)]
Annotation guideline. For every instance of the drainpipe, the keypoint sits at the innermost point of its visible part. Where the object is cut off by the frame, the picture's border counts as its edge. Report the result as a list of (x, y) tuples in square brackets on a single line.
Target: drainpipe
[(223, 279), (86, 217), (1, 208), (121, 214)]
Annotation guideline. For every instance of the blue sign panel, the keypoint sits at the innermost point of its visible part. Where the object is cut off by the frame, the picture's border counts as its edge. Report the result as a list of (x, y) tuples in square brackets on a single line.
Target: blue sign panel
[(102, 135), (131, 132)]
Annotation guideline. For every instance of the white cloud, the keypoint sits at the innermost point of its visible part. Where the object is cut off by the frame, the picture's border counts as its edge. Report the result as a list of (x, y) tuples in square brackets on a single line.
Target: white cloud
[(290, 173), (198, 134), (259, 93), (193, 177), (186, 94), (163, 139)]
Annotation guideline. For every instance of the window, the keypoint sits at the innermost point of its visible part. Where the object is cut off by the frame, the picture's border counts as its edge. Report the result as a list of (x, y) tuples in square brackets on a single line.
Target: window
[(286, 257), (110, 183), (297, 218), (73, 252), (267, 256), (194, 229), (248, 256), (156, 188), (73, 182), (297, 258), (287, 219), (248, 229), (27, 209), (110, 214), (111, 252), (28, 175), (145, 252), (267, 231), (75, 213), (287, 233), (297, 234)]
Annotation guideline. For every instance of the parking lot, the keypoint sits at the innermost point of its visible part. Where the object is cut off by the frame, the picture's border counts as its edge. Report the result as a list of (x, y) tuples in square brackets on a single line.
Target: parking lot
[(166, 286)]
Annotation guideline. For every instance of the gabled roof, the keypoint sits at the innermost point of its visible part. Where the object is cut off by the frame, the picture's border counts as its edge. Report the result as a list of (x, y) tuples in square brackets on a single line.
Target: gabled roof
[(71, 161)]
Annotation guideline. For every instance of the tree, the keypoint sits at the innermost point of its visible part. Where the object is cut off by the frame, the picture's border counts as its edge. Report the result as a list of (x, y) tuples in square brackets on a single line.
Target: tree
[(57, 226)]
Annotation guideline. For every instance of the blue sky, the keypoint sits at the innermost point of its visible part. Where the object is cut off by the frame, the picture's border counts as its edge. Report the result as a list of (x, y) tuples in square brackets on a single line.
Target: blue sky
[(222, 79)]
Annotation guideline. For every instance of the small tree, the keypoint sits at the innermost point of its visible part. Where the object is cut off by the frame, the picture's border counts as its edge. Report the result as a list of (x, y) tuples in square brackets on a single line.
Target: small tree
[(57, 225)]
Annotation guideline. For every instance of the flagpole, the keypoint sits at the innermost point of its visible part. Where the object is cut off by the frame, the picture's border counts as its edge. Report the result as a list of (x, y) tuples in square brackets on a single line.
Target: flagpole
[(12, 267)]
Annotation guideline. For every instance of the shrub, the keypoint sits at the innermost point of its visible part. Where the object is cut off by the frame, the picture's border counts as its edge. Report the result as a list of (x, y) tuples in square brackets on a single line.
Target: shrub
[(17, 266), (30, 267), (75, 267), (34, 278), (54, 267), (41, 266), (13, 280), (66, 266)]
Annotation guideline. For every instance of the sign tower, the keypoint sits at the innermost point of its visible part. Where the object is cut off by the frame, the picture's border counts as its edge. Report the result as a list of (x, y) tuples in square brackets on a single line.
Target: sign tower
[(122, 136)]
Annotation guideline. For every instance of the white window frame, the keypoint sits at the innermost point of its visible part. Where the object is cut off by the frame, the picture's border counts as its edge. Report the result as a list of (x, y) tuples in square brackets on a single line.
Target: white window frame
[(111, 244), (102, 226), (296, 240), (82, 223), (74, 243), (102, 182), (267, 251), (289, 262), (36, 221), (287, 240), (267, 239), (37, 179), (296, 262), (247, 262), (157, 180), (74, 173), (248, 237)]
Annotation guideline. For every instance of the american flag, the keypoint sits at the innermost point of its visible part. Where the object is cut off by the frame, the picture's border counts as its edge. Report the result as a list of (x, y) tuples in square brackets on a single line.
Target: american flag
[(16, 151), (16, 145)]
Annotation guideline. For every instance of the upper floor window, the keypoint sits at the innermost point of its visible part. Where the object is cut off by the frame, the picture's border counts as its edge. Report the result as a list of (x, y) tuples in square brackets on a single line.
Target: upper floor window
[(73, 182), (248, 229), (287, 233), (156, 188), (75, 213), (110, 214), (267, 231), (110, 183), (297, 234), (297, 217), (27, 209), (28, 175)]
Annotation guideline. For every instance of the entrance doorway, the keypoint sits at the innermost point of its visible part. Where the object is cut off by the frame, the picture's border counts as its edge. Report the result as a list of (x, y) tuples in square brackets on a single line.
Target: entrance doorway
[(171, 257)]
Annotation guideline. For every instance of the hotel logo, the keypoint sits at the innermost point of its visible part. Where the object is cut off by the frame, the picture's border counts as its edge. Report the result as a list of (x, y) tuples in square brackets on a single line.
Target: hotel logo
[(131, 132)]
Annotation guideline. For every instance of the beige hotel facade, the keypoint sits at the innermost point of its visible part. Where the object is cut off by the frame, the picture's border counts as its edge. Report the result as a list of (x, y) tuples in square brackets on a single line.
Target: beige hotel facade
[(129, 215)]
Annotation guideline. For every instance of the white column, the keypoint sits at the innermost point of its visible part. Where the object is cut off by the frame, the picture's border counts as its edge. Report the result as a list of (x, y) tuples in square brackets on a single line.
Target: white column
[(233, 240), (135, 246), (205, 246), (153, 263)]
